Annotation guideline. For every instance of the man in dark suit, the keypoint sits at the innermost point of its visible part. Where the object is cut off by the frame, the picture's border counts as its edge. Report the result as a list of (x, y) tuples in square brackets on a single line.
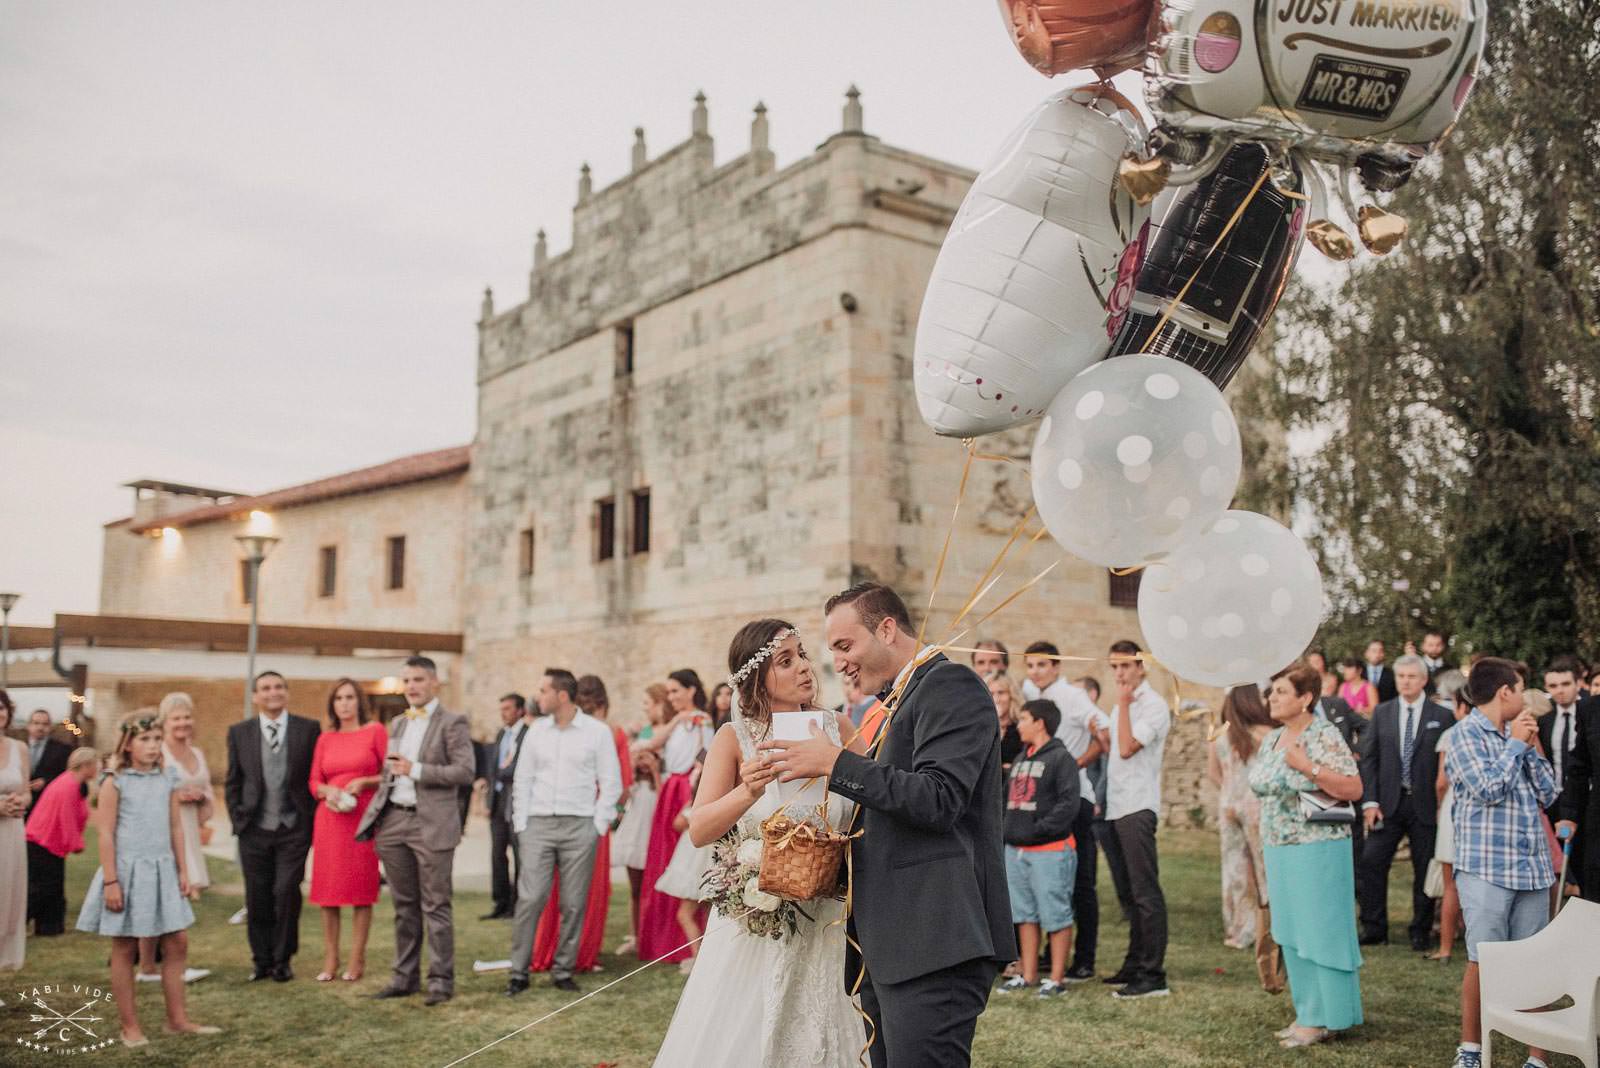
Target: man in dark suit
[(1399, 766), (931, 912), (414, 822), (1559, 736), (1378, 673), (497, 764), (1580, 800), (1432, 651), (270, 803), (47, 757)]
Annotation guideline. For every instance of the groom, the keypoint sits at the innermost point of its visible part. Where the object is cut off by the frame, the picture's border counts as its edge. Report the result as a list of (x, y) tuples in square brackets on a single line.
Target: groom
[(930, 909)]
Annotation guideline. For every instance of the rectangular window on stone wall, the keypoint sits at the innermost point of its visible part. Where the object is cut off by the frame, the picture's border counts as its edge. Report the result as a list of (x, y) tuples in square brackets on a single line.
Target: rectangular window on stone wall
[(641, 521), (624, 341), (247, 587), (605, 529), (397, 562), (328, 577), (525, 553), (1125, 589)]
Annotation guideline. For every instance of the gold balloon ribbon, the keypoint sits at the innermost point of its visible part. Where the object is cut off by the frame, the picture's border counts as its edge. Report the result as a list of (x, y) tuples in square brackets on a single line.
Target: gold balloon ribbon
[(1143, 179), (944, 553)]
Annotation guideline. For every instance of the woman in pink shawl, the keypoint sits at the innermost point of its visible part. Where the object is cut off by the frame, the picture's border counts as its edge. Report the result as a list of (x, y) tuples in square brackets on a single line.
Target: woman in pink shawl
[(55, 829)]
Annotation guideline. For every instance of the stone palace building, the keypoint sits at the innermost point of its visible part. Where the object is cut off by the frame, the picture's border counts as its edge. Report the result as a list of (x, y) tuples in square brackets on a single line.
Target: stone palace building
[(699, 413)]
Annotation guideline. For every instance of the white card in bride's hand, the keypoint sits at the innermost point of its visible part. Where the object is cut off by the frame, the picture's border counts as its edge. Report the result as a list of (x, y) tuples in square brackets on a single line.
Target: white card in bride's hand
[(796, 727)]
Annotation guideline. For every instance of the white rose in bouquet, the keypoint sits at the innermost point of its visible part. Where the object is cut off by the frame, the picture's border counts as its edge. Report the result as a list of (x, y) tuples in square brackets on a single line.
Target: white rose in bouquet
[(750, 852), (758, 899)]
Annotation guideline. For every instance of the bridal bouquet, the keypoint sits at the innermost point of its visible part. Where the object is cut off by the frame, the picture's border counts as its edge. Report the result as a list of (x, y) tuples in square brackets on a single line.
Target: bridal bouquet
[(731, 885)]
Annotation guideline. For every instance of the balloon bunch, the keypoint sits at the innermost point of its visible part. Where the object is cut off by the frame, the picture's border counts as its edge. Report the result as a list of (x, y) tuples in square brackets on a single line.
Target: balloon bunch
[(1111, 277)]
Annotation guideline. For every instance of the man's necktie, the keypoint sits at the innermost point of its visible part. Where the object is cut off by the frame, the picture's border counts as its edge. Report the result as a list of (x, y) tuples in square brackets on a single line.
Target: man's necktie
[(272, 736), (416, 713), (1408, 742), (1563, 747)]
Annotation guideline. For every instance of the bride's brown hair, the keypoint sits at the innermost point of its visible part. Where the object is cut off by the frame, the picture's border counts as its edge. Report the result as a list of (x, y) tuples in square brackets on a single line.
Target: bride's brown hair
[(754, 705)]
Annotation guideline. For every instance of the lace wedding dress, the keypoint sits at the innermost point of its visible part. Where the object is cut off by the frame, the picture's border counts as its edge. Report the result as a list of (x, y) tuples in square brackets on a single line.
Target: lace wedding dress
[(762, 1002)]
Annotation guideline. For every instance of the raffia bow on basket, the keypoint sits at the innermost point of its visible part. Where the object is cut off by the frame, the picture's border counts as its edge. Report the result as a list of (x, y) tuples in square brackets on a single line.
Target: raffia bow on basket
[(800, 860)]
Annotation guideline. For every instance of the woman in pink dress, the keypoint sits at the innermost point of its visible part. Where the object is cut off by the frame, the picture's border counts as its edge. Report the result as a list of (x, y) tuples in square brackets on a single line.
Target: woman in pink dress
[(679, 745), (1357, 692), (345, 768)]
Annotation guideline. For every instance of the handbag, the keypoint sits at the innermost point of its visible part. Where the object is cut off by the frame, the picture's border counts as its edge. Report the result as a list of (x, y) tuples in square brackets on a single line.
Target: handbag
[(1318, 807)]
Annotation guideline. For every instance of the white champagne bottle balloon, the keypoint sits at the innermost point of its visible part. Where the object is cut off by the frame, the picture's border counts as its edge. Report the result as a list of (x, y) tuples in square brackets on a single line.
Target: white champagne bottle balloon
[(1027, 278)]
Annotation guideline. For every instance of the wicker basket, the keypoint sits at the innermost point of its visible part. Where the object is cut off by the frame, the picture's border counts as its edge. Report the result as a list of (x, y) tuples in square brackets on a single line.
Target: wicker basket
[(800, 860)]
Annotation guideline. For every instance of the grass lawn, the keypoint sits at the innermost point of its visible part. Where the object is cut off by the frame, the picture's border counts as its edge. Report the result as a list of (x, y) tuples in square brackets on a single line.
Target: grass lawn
[(1216, 1015)]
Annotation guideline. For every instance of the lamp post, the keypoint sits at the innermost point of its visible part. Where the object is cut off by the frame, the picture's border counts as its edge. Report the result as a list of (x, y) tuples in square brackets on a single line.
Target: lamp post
[(254, 549), (7, 602)]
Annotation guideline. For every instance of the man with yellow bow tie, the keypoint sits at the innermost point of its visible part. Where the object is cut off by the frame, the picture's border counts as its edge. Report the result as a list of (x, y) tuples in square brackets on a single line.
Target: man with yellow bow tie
[(415, 823)]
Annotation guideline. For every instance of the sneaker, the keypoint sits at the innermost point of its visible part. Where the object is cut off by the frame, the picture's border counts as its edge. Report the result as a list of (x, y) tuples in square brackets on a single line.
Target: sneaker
[(143, 978), (1080, 974), (194, 975), (1014, 984), (1121, 978), (1049, 988), (237, 918), (1143, 988), (1467, 1058)]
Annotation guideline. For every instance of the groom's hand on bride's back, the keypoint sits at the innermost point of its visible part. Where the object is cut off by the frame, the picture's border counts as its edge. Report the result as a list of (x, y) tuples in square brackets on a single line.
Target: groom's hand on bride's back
[(810, 759)]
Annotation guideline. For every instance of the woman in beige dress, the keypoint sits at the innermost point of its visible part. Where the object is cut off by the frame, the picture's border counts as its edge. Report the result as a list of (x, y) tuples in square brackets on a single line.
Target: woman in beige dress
[(186, 765), (1246, 921), (13, 846)]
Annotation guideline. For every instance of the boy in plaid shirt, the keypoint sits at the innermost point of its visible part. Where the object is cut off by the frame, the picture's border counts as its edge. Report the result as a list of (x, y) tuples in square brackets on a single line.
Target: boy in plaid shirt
[(1502, 869)]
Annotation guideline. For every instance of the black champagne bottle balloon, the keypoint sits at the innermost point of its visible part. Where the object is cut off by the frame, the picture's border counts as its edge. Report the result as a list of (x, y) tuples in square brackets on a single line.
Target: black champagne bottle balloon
[(1235, 288)]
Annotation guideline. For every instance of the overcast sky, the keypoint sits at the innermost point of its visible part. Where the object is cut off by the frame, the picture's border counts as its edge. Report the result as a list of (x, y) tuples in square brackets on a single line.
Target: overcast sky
[(243, 245)]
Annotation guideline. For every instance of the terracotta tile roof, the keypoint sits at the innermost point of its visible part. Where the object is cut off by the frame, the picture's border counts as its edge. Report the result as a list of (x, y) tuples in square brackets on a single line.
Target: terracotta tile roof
[(407, 469)]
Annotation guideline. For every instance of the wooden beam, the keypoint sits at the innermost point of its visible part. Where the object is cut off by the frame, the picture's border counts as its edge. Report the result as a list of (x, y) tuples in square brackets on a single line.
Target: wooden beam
[(32, 637), (149, 630)]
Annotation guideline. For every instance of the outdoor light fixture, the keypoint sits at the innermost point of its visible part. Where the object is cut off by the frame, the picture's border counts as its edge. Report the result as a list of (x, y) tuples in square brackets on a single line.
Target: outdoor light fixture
[(253, 548)]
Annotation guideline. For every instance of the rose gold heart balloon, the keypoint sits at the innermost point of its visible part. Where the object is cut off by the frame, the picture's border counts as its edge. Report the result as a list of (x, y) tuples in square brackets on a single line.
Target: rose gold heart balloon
[(1054, 36)]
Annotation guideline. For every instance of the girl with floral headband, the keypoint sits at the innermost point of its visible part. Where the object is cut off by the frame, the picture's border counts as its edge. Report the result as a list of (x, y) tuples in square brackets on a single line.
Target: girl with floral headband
[(140, 889)]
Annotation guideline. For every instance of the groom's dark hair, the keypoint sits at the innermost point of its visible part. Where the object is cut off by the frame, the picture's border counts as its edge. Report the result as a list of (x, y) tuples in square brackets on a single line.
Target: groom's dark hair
[(874, 602)]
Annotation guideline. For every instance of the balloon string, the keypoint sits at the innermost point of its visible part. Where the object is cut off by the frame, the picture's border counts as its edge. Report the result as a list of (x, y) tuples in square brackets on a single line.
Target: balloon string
[(982, 586), (1122, 572), (950, 533), (1172, 305)]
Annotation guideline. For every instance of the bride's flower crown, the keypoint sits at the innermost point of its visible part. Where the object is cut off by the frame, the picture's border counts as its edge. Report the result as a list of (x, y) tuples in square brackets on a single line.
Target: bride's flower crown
[(760, 656)]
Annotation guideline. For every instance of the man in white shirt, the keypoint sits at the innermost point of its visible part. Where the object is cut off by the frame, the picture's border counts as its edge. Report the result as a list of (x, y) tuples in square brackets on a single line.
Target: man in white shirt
[(564, 794), (1081, 724), (1134, 742)]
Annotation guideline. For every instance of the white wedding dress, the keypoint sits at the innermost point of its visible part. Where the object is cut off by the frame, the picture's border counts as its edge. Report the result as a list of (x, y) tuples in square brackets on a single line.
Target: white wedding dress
[(762, 1002)]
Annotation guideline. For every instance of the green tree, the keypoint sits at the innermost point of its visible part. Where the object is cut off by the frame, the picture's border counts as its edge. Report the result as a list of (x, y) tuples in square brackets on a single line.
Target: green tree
[(1449, 390)]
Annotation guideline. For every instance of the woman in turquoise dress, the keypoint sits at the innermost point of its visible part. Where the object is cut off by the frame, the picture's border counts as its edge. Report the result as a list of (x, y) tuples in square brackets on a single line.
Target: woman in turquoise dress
[(1310, 879), (140, 889)]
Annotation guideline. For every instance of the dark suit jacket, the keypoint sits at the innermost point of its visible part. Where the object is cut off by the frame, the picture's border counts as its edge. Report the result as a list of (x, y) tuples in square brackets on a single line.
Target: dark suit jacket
[(500, 801), (1351, 724), (1547, 737), (1387, 690), (1580, 801), (930, 879), (52, 762), (243, 787), (1380, 759)]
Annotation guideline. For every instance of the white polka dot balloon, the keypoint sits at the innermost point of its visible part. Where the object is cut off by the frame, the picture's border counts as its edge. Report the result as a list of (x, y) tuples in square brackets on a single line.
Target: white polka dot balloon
[(1236, 604), (1135, 456)]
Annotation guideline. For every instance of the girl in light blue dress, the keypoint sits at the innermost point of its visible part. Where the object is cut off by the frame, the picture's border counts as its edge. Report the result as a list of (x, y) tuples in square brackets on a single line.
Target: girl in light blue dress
[(140, 890)]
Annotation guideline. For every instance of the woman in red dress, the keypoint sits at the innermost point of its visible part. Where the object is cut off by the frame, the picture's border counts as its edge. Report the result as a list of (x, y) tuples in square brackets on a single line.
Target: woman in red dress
[(345, 768), (680, 745), (592, 699)]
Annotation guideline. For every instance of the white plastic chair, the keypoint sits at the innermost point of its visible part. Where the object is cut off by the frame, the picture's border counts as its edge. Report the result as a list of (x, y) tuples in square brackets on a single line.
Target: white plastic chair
[(1562, 959)]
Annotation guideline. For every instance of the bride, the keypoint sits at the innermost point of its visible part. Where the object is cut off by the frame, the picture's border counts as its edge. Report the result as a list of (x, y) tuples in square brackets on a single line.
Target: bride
[(754, 1000)]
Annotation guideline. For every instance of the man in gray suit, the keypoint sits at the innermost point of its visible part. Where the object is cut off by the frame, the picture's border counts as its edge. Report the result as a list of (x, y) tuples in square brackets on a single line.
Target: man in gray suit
[(415, 822)]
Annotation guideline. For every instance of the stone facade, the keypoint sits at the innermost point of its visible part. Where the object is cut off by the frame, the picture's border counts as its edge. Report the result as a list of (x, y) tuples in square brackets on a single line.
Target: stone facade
[(737, 340)]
